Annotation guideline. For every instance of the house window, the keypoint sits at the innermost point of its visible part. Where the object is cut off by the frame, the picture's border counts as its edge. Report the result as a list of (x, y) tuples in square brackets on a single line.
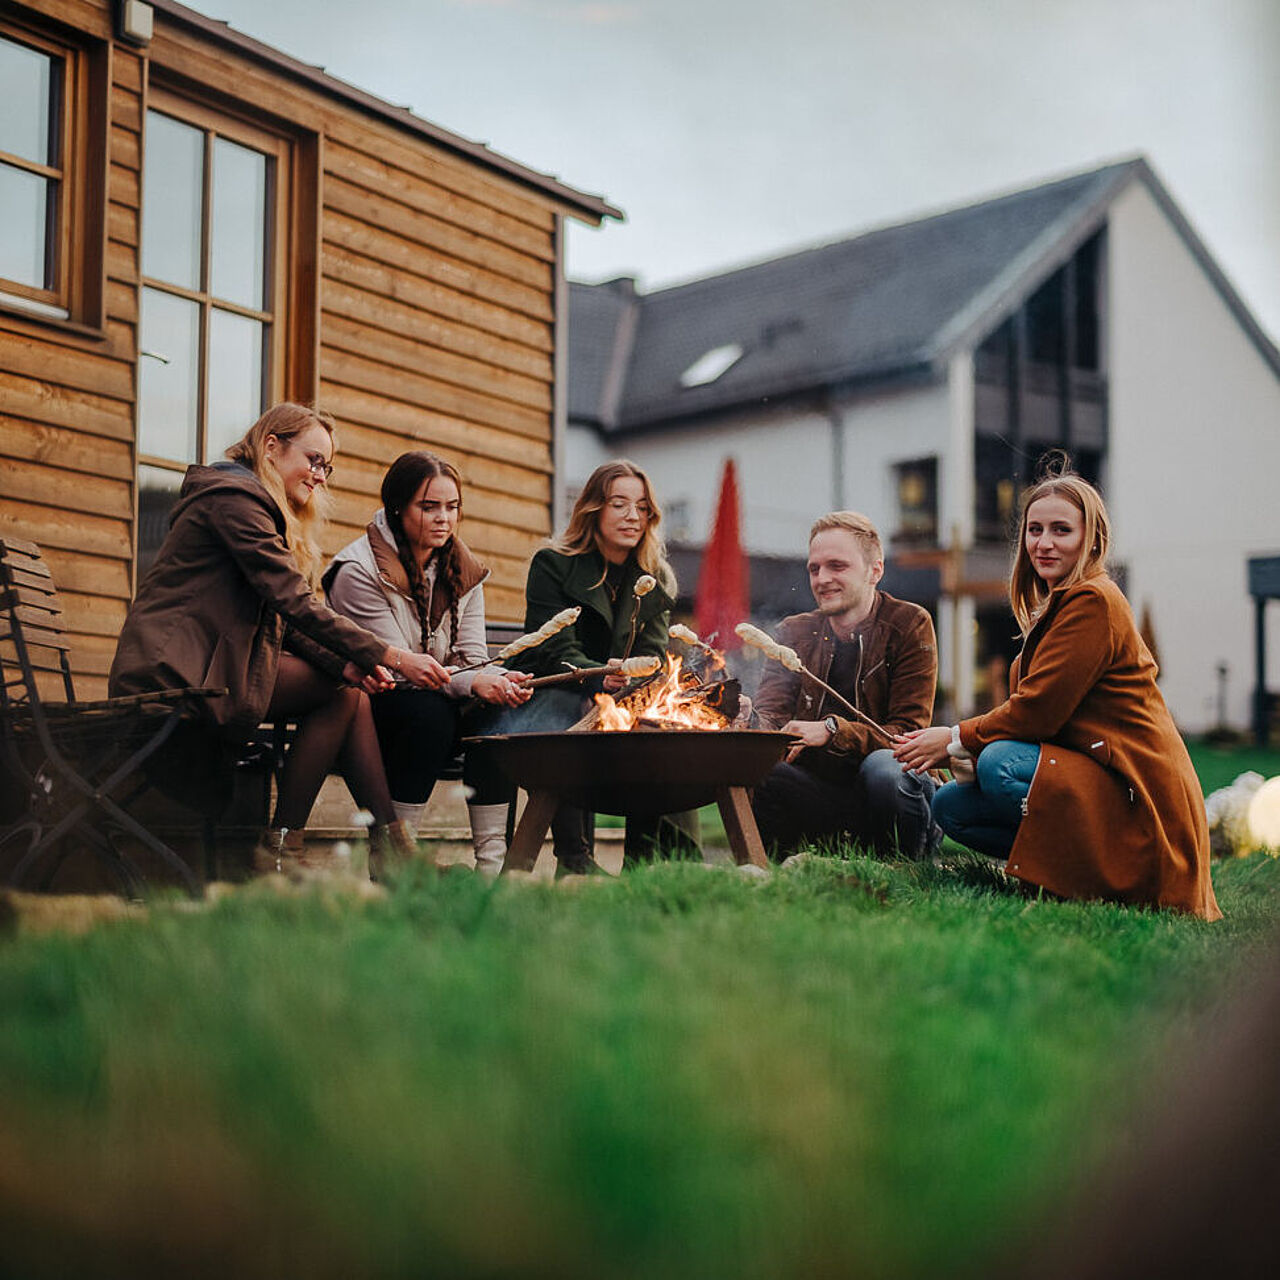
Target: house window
[(44, 209), (211, 320), (917, 489)]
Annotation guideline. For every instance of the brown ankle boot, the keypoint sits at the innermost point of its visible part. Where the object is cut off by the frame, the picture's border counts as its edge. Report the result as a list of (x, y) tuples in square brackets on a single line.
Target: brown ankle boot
[(390, 847), (279, 849)]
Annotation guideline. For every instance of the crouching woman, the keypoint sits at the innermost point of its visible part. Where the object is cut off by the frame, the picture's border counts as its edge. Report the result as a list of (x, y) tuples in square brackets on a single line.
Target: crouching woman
[(230, 602), (413, 582), (1080, 779)]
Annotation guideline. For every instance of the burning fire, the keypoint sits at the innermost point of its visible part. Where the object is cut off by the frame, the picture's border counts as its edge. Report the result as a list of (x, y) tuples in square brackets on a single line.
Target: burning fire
[(663, 703)]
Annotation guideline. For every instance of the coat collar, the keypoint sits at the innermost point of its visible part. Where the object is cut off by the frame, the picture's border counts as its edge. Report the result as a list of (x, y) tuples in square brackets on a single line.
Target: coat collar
[(584, 585), (381, 542)]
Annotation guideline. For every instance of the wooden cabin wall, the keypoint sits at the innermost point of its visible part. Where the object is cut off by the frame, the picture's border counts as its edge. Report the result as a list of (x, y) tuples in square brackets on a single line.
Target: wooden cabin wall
[(436, 280), (67, 470), (434, 329)]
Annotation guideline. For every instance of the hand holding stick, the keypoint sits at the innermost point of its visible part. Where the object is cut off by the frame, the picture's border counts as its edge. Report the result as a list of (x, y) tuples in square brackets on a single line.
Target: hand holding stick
[(565, 618), (791, 660)]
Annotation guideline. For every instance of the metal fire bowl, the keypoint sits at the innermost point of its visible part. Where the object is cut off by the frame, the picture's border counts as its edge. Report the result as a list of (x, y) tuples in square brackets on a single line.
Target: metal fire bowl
[(638, 772)]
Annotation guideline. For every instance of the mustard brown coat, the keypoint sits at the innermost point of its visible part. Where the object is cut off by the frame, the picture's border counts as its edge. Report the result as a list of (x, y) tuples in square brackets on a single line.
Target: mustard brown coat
[(1115, 809), (222, 599)]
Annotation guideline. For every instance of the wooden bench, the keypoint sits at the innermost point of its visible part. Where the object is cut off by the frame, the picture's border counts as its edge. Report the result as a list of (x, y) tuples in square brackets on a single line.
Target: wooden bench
[(73, 769)]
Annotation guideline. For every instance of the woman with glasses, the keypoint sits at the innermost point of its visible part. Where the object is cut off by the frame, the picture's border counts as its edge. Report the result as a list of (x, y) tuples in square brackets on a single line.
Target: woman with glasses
[(610, 542), (231, 603), (411, 580)]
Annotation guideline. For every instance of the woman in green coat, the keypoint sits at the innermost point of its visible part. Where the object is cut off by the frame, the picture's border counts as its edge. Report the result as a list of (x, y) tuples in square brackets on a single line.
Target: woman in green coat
[(611, 541)]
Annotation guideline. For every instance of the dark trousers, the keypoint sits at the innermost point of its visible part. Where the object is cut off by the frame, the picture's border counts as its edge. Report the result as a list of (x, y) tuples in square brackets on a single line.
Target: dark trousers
[(418, 731), (879, 804)]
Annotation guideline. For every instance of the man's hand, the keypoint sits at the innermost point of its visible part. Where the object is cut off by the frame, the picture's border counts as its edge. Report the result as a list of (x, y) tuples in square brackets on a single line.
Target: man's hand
[(810, 733), (502, 688)]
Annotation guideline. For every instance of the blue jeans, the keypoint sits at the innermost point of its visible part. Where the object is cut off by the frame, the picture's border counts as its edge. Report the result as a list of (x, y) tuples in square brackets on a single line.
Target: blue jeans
[(984, 815)]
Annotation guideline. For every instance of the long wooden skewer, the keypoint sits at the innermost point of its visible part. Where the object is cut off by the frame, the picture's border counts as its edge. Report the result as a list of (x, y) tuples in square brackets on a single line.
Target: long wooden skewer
[(862, 715)]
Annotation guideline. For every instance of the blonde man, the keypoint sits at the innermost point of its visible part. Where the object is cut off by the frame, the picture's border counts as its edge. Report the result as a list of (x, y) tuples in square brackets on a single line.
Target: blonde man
[(840, 780)]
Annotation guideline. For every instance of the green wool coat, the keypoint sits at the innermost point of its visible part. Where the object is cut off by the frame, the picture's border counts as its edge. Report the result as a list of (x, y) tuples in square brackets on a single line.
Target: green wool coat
[(558, 581)]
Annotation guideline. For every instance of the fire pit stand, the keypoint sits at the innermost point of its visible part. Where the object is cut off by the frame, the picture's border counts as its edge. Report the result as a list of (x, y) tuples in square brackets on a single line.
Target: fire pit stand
[(635, 773)]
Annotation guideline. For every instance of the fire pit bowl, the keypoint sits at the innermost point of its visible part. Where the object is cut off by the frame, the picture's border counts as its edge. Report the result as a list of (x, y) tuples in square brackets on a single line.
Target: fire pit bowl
[(638, 772)]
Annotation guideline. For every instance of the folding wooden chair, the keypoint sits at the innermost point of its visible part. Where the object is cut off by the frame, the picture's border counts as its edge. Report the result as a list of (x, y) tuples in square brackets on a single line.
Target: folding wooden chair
[(76, 765)]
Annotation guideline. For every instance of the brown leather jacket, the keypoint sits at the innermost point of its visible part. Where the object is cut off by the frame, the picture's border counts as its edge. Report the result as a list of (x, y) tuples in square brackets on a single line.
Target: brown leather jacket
[(896, 681), (222, 598)]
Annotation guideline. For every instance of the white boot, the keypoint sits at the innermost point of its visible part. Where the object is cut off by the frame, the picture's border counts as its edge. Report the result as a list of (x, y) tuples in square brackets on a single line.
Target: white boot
[(409, 814), (488, 837)]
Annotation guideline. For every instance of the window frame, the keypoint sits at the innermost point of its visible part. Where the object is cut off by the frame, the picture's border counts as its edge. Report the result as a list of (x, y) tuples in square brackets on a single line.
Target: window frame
[(77, 221), (217, 122)]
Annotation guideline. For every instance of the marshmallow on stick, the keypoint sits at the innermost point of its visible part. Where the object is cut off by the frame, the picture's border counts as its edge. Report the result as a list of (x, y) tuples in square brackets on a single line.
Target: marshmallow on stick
[(565, 618), (644, 584), (679, 631), (791, 660)]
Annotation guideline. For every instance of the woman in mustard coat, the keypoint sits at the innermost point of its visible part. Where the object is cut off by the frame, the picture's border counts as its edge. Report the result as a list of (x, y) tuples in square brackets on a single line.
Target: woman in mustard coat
[(1080, 779)]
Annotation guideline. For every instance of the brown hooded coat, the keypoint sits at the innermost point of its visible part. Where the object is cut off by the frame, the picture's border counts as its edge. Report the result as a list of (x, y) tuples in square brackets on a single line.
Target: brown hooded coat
[(222, 599), (1115, 809)]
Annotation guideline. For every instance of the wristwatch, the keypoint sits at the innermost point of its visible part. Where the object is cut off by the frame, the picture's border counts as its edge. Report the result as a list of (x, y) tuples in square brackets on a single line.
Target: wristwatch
[(832, 726)]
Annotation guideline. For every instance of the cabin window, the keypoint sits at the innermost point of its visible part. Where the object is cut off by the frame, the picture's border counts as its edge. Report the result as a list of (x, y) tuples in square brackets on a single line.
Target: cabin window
[(211, 315), (917, 491), (44, 208)]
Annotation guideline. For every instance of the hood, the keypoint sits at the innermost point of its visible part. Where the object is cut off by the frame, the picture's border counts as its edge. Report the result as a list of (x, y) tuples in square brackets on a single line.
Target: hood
[(223, 477)]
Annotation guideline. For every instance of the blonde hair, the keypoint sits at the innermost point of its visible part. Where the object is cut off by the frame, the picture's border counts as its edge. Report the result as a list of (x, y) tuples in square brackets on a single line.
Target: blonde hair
[(302, 526), (855, 523), (583, 530), (1027, 591)]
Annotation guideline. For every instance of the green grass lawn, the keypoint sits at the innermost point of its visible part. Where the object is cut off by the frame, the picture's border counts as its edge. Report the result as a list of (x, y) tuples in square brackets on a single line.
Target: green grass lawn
[(849, 1068)]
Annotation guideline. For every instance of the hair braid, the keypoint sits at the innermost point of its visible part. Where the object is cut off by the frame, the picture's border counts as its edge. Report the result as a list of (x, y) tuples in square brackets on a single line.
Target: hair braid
[(452, 572), (417, 586)]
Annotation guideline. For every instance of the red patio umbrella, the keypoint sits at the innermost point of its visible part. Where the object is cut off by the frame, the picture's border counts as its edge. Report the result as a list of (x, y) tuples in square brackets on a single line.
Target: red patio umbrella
[(723, 599)]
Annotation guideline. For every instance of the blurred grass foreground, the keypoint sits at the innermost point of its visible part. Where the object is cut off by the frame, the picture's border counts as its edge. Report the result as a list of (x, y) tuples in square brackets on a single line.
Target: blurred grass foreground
[(847, 1068)]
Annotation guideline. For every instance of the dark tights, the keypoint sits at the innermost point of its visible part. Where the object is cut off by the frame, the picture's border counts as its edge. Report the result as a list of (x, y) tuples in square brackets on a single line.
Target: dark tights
[(335, 726)]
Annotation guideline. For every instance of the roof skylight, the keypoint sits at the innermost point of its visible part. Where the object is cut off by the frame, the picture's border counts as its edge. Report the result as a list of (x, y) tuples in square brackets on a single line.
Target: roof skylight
[(714, 364)]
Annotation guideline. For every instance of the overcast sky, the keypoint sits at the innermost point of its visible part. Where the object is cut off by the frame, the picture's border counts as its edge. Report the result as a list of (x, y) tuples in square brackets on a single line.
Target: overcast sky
[(734, 130)]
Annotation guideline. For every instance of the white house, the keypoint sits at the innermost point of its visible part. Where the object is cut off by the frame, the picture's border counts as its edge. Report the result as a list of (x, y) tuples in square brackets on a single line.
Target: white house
[(917, 372)]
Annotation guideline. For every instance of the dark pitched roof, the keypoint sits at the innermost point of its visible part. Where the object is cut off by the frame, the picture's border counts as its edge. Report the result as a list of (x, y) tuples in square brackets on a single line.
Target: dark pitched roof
[(889, 302), (577, 203)]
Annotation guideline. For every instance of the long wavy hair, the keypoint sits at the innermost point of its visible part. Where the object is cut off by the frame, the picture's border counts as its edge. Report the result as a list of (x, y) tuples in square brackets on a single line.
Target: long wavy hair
[(582, 533), (302, 525), (1027, 591), (404, 478)]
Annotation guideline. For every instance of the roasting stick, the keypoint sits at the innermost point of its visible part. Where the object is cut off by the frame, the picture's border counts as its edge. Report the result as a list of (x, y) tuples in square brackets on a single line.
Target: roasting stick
[(690, 637), (644, 584), (632, 668), (791, 660), (565, 618)]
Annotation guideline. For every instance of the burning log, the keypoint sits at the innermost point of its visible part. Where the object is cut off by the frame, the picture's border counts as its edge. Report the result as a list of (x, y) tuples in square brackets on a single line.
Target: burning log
[(673, 700)]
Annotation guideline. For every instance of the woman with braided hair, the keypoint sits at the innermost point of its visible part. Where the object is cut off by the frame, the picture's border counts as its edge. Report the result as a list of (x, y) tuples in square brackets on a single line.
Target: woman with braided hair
[(412, 581)]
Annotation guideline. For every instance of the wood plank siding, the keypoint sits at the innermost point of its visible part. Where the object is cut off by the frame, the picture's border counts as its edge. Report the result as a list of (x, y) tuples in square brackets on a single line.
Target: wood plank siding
[(419, 308)]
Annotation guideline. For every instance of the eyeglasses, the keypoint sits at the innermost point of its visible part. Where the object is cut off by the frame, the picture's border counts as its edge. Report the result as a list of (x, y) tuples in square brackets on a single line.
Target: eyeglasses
[(319, 464), (319, 467), (622, 505)]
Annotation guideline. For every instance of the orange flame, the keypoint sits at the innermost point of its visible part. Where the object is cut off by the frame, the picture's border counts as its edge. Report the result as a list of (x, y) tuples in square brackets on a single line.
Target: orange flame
[(665, 703)]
